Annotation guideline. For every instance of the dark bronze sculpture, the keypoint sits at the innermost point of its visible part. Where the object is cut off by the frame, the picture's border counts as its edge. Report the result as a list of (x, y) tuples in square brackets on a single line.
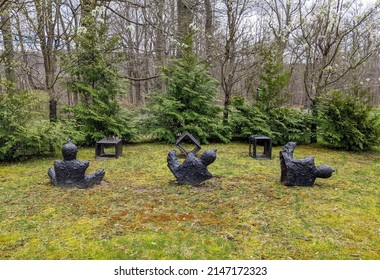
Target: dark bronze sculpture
[(193, 170), (300, 172), (70, 172)]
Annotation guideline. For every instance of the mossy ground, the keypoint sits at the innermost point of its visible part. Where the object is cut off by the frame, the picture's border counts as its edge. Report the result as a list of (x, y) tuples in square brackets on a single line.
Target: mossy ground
[(244, 212)]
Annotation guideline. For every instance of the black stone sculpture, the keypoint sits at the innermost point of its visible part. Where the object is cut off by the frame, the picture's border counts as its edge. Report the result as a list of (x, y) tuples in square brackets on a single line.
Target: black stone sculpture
[(70, 172), (193, 170), (300, 172)]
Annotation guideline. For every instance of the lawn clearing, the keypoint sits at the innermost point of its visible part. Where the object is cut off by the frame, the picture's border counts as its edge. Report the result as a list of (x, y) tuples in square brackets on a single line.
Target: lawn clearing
[(244, 212)]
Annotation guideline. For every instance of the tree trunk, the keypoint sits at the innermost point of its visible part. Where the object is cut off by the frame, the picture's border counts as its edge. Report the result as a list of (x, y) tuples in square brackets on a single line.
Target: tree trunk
[(229, 64), (208, 27), (160, 36), (46, 24), (6, 30), (313, 128), (227, 98), (53, 110), (160, 44)]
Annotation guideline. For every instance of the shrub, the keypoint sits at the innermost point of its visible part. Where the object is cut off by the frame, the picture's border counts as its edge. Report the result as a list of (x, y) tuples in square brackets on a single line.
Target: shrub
[(281, 124), (189, 104), (247, 119), (274, 79), (25, 130), (95, 80), (290, 125), (346, 121)]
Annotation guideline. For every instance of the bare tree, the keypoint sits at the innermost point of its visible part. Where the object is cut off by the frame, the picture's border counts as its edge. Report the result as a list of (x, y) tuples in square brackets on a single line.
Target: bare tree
[(208, 27), (280, 19), (329, 42), (334, 35), (236, 58), (44, 30)]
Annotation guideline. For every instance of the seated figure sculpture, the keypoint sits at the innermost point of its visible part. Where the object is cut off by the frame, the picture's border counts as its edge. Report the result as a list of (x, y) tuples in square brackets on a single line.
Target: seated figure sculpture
[(300, 172), (193, 170), (70, 172)]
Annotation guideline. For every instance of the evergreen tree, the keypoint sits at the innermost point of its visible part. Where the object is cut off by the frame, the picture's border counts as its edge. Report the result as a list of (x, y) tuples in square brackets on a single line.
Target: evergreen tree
[(281, 124), (248, 119), (94, 79), (347, 120), (25, 130), (189, 104), (273, 80)]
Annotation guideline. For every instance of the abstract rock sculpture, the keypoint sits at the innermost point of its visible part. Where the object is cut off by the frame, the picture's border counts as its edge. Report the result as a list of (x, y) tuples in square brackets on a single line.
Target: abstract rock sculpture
[(70, 172), (193, 170), (300, 172)]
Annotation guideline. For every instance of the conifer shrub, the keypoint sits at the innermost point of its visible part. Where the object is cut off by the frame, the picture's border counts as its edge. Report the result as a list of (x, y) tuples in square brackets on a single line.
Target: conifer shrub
[(273, 81), (93, 77), (248, 119), (288, 124), (25, 129), (189, 103), (280, 124), (346, 120), (265, 114)]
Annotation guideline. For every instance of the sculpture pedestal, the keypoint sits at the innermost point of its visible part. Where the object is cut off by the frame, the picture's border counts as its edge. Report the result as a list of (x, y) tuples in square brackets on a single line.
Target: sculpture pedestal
[(104, 143), (254, 141)]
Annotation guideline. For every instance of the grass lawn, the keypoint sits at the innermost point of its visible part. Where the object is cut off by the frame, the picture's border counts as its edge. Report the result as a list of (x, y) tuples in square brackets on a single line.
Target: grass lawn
[(244, 212)]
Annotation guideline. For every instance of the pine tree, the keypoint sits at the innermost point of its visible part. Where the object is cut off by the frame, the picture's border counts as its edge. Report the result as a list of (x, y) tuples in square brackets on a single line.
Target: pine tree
[(273, 80), (189, 104), (94, 79)]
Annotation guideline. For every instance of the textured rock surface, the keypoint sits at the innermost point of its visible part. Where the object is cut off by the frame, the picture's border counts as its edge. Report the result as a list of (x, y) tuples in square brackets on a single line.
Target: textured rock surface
[(193, 170), (70, 172), (300, 172)]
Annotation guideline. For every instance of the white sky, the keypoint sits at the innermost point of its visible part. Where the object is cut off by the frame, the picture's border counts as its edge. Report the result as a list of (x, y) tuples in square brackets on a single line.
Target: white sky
[(368, 1)]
